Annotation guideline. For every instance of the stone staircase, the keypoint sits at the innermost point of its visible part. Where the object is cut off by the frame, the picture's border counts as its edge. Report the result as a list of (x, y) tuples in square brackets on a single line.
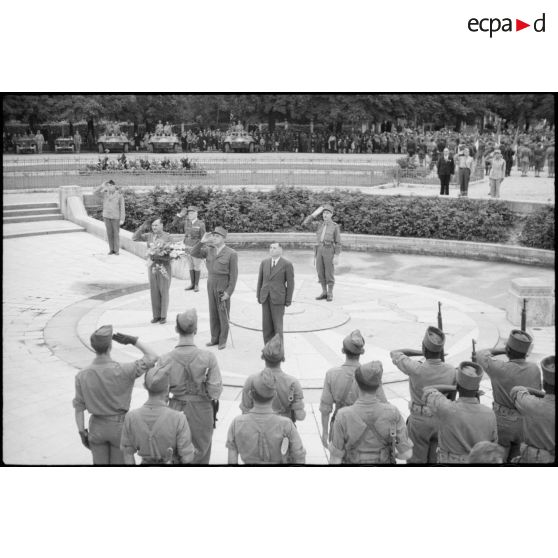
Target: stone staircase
[(31, 219)]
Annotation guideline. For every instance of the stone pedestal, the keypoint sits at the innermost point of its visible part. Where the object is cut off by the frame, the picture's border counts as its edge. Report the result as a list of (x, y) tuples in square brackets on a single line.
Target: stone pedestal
[(540, 302), (65, 192)]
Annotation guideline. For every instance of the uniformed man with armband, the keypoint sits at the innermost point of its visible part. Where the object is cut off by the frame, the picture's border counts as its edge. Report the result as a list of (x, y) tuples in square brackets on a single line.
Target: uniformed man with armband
[(370, 431), (262, 437), (538, 410), (289, 399)]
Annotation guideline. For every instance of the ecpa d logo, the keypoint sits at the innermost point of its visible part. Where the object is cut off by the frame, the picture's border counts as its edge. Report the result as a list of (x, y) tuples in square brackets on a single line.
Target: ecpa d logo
[(494, 24)]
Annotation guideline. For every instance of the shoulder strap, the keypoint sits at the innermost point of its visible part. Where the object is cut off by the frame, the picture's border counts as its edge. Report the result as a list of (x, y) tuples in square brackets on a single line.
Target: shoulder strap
[(290, 398), (151, 431), (263, 444), (186, 361)]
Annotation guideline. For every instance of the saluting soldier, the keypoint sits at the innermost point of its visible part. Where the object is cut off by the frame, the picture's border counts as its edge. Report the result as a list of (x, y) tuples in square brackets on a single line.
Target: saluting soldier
[(156, 432), (421, 424), (194, 230), (539, 417), (340, 388), (104, 390), (504, 376), (462, 423), (262, 437), (369, 431), (327, 249), (289, 399), (222, 268), (113, 213), (195, 384)]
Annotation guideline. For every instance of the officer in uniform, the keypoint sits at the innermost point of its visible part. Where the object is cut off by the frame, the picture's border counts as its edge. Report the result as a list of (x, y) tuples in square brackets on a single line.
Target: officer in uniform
[(194, 230), (464, 422), (421, 424), (262, 437), (154, 431), (538, 410), (289, 399), (195, 384), (327, 249), (104, 390), (504, 376), (222, 268), (340, 388), (369, 431)]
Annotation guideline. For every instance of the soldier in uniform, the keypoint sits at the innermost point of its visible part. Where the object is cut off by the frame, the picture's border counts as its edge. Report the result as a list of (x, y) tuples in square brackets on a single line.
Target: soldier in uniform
[(104, 390), (523, 155), (159, 129), (154, 431), (421, 424), (194, 230), (222, 268), (289, 399), (538, 410), (262, 437), (113, 213), (167, 130), (369, 431), (159, 267), (340, 388), (195, 384), (327, 249), (464, 422), (504, 376)]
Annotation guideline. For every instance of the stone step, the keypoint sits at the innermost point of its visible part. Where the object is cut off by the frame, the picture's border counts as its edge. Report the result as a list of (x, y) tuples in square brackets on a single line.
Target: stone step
[(43, 205), (32, 218), (29, 212), (16, 230)]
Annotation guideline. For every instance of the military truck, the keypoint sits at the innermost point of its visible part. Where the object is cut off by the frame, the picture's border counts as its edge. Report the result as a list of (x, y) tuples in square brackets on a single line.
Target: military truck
[(64, 145)]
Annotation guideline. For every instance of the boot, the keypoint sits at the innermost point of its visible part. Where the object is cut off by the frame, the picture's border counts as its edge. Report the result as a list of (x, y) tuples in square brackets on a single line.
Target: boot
[(196, 281), (323, 296), (191, 281), (329, 295)]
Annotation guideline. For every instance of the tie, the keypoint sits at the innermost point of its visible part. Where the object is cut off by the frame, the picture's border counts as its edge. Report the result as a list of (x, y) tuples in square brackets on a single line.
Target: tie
[(272, 264), (323, 233)]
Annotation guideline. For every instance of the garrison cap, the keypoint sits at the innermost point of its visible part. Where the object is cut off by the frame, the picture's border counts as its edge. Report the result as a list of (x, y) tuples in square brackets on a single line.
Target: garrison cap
[(354, 342), (273, 350), (519, 341), (157, 378), (192, 208), (370, 373), (328, 207), (264, 384), (221, 231), (547, 365), (188, 320), (469, 375), (434, 339), (101, 338)]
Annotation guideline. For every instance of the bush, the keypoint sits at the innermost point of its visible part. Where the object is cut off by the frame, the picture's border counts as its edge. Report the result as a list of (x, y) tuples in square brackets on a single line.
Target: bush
[(284, 208), (538, 231)]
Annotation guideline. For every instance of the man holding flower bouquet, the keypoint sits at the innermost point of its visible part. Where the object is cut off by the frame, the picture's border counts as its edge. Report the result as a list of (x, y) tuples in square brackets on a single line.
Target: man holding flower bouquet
[(159, 248)]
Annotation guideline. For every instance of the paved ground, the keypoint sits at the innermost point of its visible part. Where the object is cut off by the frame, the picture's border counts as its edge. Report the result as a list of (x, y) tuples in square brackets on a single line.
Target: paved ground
[(48, 280)]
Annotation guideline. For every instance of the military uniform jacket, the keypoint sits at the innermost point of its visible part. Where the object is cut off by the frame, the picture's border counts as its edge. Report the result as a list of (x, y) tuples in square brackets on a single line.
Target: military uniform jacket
[(257, 437), (193, 231), (289, 395), (194, 373), (539, 418), (462, 423), (104, 388), (340, 388), (332, 235), (222, 267), (154, 428), (362, 432), (505, 375)]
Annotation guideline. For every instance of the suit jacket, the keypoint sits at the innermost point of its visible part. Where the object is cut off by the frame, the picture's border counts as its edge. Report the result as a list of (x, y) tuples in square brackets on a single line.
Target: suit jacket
[(277, 284), (446, 168)]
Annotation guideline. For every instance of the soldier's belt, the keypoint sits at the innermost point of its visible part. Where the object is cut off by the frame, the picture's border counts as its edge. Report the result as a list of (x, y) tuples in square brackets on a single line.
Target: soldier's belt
[(505, 411), (417, 409), (112, 418), (152, 461), (190, 397), (326, 243), (448, 457)]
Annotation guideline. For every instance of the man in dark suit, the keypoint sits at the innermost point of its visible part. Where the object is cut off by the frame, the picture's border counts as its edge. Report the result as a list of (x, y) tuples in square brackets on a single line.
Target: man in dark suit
[(446, 168), (274, 291)]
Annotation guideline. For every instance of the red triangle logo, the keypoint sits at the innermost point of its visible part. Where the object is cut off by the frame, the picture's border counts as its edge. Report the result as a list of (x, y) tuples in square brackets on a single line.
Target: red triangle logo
[(519, 25)]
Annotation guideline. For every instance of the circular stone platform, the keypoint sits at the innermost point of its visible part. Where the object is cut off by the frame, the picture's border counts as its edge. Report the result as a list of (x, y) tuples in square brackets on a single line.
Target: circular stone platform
[(390, 315)]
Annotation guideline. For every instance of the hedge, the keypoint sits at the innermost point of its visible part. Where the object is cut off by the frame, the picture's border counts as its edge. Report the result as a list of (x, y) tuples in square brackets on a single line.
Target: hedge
[(284, 208), (538, 230)]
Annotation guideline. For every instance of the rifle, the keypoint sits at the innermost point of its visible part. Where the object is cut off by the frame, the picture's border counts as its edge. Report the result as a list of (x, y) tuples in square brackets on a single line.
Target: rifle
[(524, 315), (214, 402), (440, 324), (473, 352)]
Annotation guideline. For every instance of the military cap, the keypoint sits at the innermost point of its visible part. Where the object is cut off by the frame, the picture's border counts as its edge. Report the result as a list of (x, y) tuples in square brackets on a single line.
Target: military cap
[(187, 321), (469, 375), (547, 365), (273, 350), (434, 339), (101, 338), (370, 373), (157, 378), (354, 342), (264, 384), (192, 208), (519, 341), (327, 207), (221, 231)]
